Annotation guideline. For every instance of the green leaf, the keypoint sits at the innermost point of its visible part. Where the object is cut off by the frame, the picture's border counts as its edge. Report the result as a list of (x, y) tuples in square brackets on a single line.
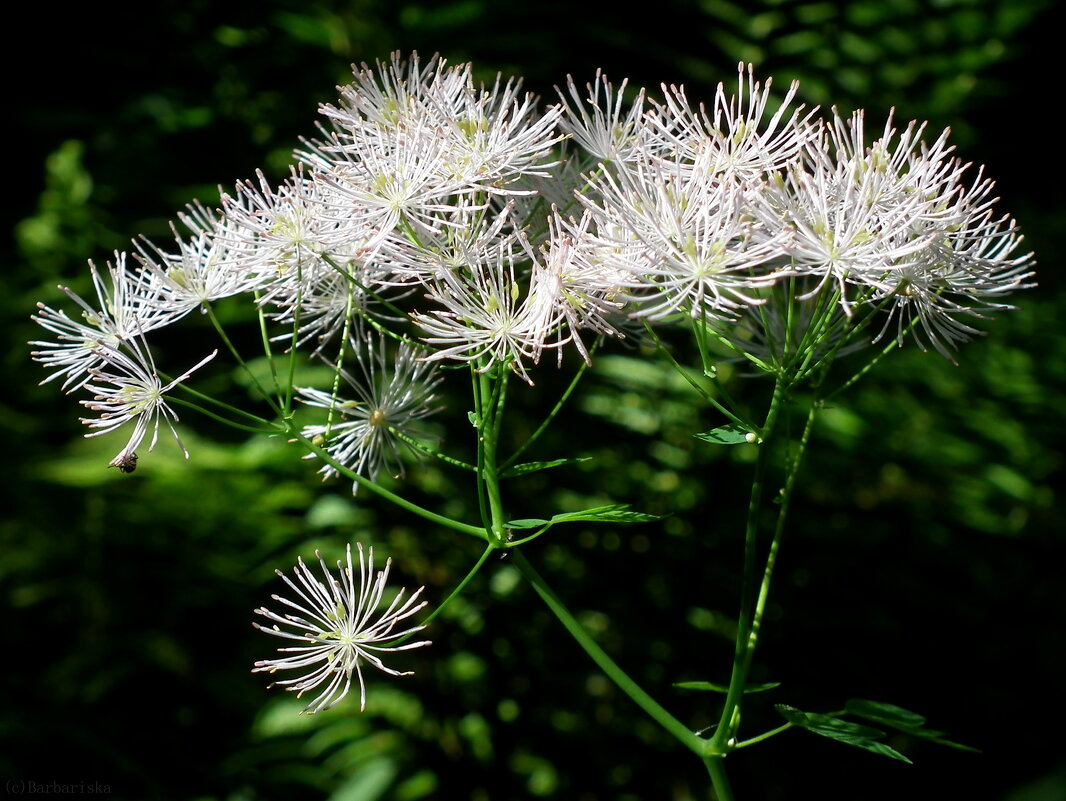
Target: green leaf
[(722, 688), (902, 719), (890, 715), (533, 467), (731, 434), (701, 685), (843, 731), (532, 522), (939, 738), (615, 513)]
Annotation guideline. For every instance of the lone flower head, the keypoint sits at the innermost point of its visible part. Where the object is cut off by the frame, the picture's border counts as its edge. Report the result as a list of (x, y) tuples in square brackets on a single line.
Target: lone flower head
[(337, 629), (129, 388), (391, 399)]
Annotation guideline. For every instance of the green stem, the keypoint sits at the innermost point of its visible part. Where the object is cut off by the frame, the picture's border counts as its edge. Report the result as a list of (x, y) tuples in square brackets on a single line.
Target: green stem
[(892, 345), (266, 424), (775, 544), (692, 382), (233, 351), (461, 585), (421, 447), (291, 380), (476, 531), (490, 423), (451, 596), (338, 368), (766, 735), (604, 662), (722, 741), (547, 420), (479, 420), (719, 780), (264, 335), (267, 429)]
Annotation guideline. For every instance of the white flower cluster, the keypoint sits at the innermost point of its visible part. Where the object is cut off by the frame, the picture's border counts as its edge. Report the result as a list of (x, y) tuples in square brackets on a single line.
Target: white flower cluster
[(479, 228), (472, 226), (701, 211)]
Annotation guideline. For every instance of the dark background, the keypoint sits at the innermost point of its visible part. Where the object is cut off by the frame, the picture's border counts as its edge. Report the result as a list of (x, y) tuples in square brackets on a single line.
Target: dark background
[(923, 567)]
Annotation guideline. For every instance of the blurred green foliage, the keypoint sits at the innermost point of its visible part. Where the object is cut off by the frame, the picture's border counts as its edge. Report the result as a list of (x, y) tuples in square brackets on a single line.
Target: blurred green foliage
[(923, 566)]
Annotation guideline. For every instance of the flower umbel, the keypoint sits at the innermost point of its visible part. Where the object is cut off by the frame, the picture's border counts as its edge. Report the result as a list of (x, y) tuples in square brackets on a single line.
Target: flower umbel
[(338, 629)]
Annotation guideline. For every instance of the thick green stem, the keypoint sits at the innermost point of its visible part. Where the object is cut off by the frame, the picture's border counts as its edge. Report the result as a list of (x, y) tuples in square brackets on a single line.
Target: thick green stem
[(489, 425), (604, 662), (719, 780), (489, 410), (479, 424), (775, 544), (722, 741)]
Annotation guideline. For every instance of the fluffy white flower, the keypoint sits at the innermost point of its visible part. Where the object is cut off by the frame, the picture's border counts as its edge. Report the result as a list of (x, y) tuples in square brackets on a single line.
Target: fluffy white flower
[(488, 316), (202, 267), (893, 225), (365, 434), (128, 305), (586, 291), (129, 388), (685, 242), (379, 179), (338, 628), (598, 122), (733, 142), (450, 131)]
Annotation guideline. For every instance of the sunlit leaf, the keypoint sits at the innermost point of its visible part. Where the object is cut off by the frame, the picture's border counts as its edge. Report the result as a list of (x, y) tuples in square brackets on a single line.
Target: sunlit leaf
[(532, 522), (726, 435), (616, 513)]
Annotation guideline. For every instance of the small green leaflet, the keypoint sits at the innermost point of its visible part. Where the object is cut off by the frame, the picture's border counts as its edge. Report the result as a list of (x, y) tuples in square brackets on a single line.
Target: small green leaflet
[(615, 513), (532, 467), (842, 731), (722, 688), (530, 522), (901, 719), (732, 434)]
